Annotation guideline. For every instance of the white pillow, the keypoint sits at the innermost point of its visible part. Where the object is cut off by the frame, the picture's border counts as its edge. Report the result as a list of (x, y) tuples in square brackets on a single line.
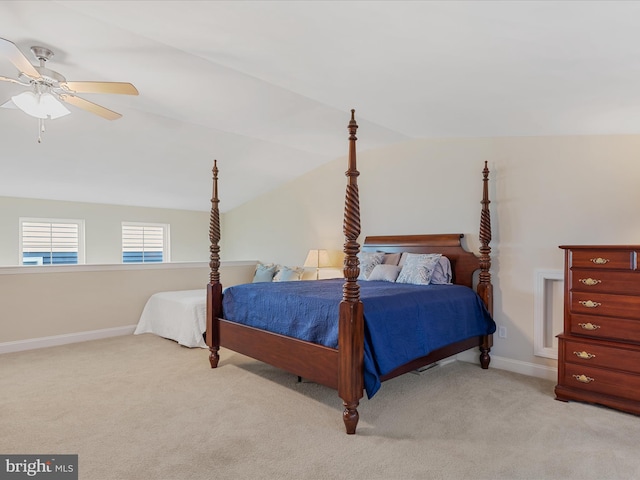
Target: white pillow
[(385, 273), (288, 274), (392, 258), (368, 261), (418, 268)]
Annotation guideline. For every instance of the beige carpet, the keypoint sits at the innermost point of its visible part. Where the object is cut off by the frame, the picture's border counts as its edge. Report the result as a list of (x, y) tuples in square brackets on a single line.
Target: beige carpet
[(141, 407)]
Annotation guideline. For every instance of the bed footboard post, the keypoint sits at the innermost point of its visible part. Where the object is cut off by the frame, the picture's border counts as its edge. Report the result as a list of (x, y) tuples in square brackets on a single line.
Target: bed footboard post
[(214, 288), (485, 288), (351, 322), (351, 355)]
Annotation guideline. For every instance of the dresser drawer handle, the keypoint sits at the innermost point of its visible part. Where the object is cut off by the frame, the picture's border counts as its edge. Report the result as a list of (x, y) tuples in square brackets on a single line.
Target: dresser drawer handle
[(590, 282), (600, 260), (584, 355), (589, 326), (589, 303), (583, 378)]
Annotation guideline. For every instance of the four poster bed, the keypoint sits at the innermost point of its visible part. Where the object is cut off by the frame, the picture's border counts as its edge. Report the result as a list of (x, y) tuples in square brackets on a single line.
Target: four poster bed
[(362, 333)]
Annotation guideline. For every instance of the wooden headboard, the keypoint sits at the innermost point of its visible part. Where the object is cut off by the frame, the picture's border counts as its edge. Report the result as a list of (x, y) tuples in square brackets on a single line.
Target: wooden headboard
[(463, 262)]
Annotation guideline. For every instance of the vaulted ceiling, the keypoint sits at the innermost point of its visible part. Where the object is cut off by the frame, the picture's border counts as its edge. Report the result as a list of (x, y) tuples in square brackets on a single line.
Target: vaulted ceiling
[(265, 87)]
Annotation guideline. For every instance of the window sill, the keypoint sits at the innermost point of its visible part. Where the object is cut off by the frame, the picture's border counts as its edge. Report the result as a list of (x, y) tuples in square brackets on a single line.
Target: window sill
[(35, 269)]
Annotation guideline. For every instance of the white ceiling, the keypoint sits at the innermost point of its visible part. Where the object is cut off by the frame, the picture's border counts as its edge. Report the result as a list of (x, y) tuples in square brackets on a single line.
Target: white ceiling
[(266, 87)]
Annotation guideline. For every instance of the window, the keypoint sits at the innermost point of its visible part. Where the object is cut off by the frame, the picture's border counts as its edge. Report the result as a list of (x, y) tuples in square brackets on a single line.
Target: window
[(46, 241), (145, 242)]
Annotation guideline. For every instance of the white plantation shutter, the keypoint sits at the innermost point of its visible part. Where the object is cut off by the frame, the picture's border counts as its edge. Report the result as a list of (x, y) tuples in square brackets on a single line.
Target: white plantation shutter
[(51, 242), (144, 242)]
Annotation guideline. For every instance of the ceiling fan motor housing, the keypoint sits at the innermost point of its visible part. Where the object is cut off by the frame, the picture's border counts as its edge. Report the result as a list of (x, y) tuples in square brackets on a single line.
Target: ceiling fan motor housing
[(50, 77), (42, 53)]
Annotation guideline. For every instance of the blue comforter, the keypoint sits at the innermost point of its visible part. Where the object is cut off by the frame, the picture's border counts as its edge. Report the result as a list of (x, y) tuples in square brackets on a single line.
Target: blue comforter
[(402, 322)]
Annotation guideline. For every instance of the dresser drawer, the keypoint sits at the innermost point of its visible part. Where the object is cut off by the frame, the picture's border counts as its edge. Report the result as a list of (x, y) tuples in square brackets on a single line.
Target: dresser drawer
[(606, 328), (603, 259), (599, 380), (605, 304), (604, 281), (594, 354)]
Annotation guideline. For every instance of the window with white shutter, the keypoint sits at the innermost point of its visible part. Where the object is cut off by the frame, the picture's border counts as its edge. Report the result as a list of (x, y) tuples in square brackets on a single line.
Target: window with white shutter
[(145, 242), (45, 241)]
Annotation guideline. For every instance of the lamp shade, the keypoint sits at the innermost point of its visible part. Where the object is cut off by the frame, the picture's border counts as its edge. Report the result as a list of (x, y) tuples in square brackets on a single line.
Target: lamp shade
[(317, 259), (28, 103), (52, 106)]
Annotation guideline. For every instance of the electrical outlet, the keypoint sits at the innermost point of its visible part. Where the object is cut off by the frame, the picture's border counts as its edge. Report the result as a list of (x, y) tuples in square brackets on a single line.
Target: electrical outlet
[(502, 332)]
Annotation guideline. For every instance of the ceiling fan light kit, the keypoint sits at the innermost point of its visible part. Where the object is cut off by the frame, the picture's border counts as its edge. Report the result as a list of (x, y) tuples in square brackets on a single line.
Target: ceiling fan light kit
[(48, 89), (42, 105)]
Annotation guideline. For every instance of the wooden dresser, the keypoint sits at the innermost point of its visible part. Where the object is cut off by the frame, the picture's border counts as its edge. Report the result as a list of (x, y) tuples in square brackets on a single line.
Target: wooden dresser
[(599, 350)]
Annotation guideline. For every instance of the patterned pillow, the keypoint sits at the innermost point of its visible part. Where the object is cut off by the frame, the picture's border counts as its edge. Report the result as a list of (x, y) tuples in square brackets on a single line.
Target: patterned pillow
[(368, 261), (288, 274), (385, 273), (418, 268), (264, 272)]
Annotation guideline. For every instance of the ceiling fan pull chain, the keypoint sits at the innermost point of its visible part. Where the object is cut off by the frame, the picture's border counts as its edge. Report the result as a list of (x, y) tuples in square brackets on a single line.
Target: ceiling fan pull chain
[(40, 129)]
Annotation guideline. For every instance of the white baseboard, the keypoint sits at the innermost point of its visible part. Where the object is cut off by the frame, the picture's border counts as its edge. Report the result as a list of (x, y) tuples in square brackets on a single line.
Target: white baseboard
[(516, 366), (56, 340), (470, 356)]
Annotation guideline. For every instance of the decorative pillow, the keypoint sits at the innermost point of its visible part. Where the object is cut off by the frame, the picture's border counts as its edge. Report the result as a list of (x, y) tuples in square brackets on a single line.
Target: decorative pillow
[(385, 273), (368, 260), (264, 272), (288, 274), (442, 273), (391, 258), (418, 268)]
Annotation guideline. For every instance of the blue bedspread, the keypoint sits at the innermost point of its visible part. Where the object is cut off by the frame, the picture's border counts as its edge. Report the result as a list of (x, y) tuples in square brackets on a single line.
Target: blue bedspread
[(402, 322)]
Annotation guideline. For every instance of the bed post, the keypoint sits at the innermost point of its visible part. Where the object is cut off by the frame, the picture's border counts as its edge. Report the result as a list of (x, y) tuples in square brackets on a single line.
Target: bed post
[(485, 288), (351, 323), (214, 287)]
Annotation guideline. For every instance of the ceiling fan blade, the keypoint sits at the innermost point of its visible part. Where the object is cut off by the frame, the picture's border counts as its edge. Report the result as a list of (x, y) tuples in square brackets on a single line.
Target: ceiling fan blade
[(12, 80), (90, 107), (121, 88), (8, 104), (22, 63)]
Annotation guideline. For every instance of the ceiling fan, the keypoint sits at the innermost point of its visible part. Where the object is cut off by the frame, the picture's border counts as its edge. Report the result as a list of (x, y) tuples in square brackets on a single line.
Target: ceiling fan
[(47, 88)]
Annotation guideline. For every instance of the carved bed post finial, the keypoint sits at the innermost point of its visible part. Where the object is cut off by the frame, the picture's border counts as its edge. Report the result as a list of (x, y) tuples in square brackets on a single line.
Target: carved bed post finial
[(214, 288), (485, 288), (351, 322), (214, 230), (351, 225)]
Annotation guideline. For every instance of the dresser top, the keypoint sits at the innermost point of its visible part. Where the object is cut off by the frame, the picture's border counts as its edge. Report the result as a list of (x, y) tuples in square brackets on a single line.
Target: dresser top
[(593, 247)]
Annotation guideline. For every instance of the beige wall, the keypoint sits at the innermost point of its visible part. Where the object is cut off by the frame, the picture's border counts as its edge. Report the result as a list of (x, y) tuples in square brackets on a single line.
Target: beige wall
[(545, 192), (189, 235), (38, 302)]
